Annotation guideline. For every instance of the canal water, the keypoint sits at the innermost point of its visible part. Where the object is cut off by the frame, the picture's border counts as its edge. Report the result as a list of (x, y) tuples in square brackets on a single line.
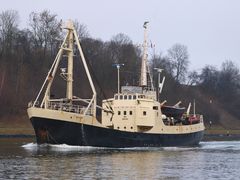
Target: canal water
[(24, 159)]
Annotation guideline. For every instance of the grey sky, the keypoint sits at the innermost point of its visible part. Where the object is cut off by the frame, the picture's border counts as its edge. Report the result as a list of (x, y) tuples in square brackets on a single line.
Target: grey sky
[(209, 28)]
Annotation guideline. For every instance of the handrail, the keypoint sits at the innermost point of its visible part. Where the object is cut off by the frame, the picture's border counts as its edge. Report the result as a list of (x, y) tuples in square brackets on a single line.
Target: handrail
[(69, 108), (64, 107)]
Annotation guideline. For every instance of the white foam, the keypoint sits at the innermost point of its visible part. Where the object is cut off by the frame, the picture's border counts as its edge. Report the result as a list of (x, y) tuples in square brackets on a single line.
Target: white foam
[(211, 145), (65, 147), (59, 147), (179, 148), (30, 146), (220, 145)]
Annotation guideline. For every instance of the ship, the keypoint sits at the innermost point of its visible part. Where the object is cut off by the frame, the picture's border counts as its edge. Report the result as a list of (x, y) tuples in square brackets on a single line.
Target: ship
[(133, 117)]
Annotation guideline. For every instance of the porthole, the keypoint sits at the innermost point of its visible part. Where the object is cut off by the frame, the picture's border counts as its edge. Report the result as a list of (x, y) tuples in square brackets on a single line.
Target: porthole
[(124, 127), (144, 113)]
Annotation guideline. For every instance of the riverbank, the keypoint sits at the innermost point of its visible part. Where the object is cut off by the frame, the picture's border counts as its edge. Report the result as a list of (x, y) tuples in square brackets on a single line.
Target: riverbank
[(221, 137), (221, 134)]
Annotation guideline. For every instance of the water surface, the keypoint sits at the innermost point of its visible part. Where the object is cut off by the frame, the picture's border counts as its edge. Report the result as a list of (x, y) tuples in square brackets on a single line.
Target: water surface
[(24, 159)]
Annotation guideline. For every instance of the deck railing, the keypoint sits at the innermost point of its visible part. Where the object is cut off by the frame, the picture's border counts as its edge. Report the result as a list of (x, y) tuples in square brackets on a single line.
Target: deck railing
[(60, 106)]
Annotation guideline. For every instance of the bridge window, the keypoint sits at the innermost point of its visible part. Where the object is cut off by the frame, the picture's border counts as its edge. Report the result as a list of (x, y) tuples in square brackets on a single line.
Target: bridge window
[(121, 97), (134, 97), (116, 97), (129, 97), (141, 96), (125, 96), (155, 107)]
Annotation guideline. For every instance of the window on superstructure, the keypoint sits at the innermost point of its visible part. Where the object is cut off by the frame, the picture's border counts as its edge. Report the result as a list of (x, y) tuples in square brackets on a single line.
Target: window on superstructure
[(144, 113), (130, 112), (121, 96), (124, 113), (134, 96), (116, 97), (129, 97), (119, 112), (155, 107), (125, 96)]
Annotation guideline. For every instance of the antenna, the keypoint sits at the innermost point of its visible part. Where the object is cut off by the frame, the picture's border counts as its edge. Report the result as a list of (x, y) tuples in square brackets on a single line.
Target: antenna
[(194, 108), (160, 84), (118, 72), (188, 109)]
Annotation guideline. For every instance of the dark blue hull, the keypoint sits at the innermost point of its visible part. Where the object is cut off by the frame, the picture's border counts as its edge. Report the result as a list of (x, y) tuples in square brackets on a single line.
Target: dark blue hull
[(63, 132)]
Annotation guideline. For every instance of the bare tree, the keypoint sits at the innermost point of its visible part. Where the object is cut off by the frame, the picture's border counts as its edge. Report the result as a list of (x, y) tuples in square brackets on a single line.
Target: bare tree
[(121, 39), (46, 29), (116, 45), (209, 77), (193, 78), (229, 78), (163, 62), (81, 29), (178, 55), (8, 27), (122, 50)]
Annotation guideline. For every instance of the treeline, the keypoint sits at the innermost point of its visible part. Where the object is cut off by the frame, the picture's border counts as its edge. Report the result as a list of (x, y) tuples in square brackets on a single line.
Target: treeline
[(26, 55)]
